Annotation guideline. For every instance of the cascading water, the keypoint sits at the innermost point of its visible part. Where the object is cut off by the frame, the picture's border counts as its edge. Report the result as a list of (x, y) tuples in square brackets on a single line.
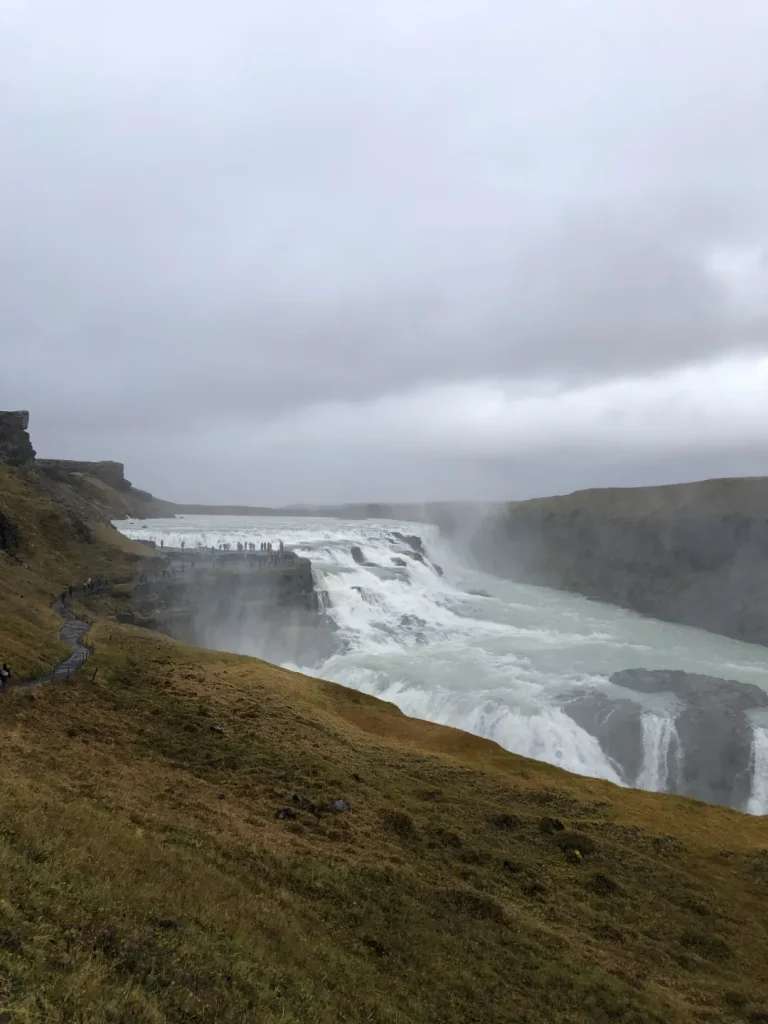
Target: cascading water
[(758, 800), (415, 625), (661, 754)]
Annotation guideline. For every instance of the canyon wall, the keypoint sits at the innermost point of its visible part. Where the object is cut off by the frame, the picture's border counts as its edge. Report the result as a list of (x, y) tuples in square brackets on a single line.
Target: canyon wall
[(689, 553)]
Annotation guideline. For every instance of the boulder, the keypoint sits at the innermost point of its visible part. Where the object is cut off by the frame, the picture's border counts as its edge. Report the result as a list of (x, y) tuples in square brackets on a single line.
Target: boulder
[(411, 540)]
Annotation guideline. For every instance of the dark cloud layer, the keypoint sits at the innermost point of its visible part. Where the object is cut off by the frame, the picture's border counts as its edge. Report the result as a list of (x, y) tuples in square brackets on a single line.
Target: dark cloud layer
[(346, 251)]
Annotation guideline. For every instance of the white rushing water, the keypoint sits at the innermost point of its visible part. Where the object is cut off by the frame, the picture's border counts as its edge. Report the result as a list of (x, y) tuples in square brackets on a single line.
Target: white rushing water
[(758, 801), (471, 650), (662, 754)]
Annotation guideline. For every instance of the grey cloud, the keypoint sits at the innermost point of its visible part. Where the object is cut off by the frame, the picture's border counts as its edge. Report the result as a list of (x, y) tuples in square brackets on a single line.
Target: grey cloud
[(216, 217)]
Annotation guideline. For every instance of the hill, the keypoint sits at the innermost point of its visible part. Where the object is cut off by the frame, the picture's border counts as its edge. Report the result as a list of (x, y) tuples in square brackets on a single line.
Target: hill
[(171, 848)]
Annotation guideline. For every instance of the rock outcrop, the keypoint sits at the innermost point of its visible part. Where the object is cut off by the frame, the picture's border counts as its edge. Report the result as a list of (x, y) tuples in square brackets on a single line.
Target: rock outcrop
[(110, 473), (709, 755), (238, 603), (15, 447)]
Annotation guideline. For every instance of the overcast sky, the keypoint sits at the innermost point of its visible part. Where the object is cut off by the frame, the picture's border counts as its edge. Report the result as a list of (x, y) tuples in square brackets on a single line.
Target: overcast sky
[(348, 250)]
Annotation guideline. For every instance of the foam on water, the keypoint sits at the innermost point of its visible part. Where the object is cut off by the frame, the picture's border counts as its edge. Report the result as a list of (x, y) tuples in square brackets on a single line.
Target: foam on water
[(661, 753), (496, 662)]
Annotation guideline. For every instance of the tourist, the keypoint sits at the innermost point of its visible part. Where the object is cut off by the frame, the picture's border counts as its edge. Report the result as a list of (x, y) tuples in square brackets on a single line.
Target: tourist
[(5, 675)]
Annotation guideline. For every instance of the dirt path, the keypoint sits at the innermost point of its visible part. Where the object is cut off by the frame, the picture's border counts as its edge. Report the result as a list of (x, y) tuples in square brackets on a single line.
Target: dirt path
[(72, 633)]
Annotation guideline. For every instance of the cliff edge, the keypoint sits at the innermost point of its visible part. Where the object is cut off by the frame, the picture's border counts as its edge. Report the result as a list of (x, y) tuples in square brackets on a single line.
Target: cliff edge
[(691, 553)]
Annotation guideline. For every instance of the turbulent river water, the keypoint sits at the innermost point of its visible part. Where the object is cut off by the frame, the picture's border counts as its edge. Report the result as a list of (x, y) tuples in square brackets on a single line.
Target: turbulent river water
[(417, 626)]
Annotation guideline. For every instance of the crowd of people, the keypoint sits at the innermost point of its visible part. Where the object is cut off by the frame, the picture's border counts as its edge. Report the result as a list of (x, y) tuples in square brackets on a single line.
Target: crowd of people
[(274, 550)]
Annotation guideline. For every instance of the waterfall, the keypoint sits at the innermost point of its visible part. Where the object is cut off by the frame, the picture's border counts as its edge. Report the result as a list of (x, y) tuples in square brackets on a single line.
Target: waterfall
[(661, 754), (758, 799), (406, 619)]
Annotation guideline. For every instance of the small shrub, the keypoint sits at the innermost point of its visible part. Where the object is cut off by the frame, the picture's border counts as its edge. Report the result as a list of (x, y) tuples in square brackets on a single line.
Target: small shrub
[(711, 947), (549, 826), (471, 904), (399, 823), (604, 885), (576, 841), (505, 822)]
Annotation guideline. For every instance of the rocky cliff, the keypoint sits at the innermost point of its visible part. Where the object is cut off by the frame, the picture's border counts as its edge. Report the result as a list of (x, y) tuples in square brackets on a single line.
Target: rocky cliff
[(110, 473), (15, 447), (690, 553), (248, 604), (704, 742)]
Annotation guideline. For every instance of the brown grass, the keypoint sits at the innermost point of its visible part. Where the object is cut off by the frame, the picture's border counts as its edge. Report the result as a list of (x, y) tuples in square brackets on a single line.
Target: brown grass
[(145, 877)]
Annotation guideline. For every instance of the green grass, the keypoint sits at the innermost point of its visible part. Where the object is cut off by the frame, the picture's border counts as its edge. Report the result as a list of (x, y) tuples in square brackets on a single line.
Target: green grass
[(145, 877)]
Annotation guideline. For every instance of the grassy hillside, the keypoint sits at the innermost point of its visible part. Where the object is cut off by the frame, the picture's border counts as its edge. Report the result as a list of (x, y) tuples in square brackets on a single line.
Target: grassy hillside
[(146, 877), (741, 496)]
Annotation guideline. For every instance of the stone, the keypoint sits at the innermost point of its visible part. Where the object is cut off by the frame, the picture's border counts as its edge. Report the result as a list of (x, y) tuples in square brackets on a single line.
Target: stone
[(15, 446), (411, 540), (338, 806), (357, 554)]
